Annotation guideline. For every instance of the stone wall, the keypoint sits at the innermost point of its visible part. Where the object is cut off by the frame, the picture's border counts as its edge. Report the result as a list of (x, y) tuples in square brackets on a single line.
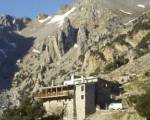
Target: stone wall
[(80, 101), (69, 111), (59, 107), (77, 108)]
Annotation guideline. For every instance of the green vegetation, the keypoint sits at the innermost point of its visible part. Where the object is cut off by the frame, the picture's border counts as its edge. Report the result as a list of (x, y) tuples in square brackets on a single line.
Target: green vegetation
[(143, 44), (99, 54), (81, 57), (62, 72), (52, 117), (147, 73), (28, 110), (126, 115), (140, 97), (140, 25), (143, 47), (142, 103), (121, 39), (116, 64)]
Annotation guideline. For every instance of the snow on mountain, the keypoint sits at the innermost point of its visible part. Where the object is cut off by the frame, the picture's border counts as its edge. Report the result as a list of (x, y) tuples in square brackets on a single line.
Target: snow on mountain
[(59, 19), (130, 21), (141, 5), (36, 51), (129, 13)]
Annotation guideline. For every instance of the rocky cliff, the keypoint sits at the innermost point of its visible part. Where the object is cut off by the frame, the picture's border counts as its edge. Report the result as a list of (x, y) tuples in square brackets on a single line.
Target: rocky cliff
[(13, 23), (90, 37), (12, 46)]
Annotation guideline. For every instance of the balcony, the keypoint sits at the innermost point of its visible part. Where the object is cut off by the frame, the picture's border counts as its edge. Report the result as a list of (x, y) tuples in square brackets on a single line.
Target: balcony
[(56, 92)]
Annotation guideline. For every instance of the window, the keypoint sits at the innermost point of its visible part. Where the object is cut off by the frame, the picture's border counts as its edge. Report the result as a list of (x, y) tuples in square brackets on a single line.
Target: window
[(82, 97), (105, 85), (82, 88)]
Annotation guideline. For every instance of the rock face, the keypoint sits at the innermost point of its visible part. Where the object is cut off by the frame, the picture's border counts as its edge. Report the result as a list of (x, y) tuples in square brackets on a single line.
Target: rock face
[(55, 46), (13, 23), (12, 47), (42, 16), (95, 39), (68, 36), (82, 40)]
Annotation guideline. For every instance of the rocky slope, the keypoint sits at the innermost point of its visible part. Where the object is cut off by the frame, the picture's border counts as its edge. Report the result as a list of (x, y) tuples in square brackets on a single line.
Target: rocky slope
[(90, 37), (13, 23), (12, 46)]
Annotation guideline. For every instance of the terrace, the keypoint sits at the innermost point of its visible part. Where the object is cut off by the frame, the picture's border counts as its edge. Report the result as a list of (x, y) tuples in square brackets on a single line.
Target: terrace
[(56, 92)]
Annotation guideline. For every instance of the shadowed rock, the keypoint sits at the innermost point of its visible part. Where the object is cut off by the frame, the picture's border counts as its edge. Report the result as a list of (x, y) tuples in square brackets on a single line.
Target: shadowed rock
[(12, 48)]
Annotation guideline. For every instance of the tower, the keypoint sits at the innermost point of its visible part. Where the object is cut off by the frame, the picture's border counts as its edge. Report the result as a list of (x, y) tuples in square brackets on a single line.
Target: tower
[(84, 100)]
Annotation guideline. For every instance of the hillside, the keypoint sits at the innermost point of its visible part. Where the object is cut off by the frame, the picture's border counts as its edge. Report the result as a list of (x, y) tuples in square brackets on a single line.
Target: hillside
[(105, 38)]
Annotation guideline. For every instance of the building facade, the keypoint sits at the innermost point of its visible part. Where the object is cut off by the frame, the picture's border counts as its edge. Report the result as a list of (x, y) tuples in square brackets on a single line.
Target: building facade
[(75, 99)]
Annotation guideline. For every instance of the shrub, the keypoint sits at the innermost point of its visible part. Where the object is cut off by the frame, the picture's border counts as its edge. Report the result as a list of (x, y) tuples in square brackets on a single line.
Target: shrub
[(142, 104), (62, 72), (28, 110), (143, 47), (110, 67), (147, 74), (121, 39), (116, 64), (140, 25), (144, 42), (52, 117)]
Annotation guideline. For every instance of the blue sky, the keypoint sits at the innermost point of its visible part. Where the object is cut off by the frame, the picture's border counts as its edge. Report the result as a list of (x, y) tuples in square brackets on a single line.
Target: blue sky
[(30, 8)]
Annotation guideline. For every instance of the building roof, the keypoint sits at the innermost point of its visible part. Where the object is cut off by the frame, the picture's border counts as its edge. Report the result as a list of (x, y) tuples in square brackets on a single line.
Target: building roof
[(58, 86), (74, 81)]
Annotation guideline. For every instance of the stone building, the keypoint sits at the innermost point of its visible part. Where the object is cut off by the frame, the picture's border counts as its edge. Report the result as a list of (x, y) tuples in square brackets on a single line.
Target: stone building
[(75, 99)]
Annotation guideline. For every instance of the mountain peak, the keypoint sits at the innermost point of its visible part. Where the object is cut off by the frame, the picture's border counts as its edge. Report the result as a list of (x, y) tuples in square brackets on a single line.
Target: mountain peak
[(13, 23)]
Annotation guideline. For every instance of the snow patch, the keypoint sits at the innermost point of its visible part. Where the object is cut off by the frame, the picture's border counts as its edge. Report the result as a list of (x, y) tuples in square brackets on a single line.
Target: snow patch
[(3, 52), (59, 19), (130, 21), (46, 19), (140, 5), (36, 51), (14, 21), (129, 13), (75, 45)]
